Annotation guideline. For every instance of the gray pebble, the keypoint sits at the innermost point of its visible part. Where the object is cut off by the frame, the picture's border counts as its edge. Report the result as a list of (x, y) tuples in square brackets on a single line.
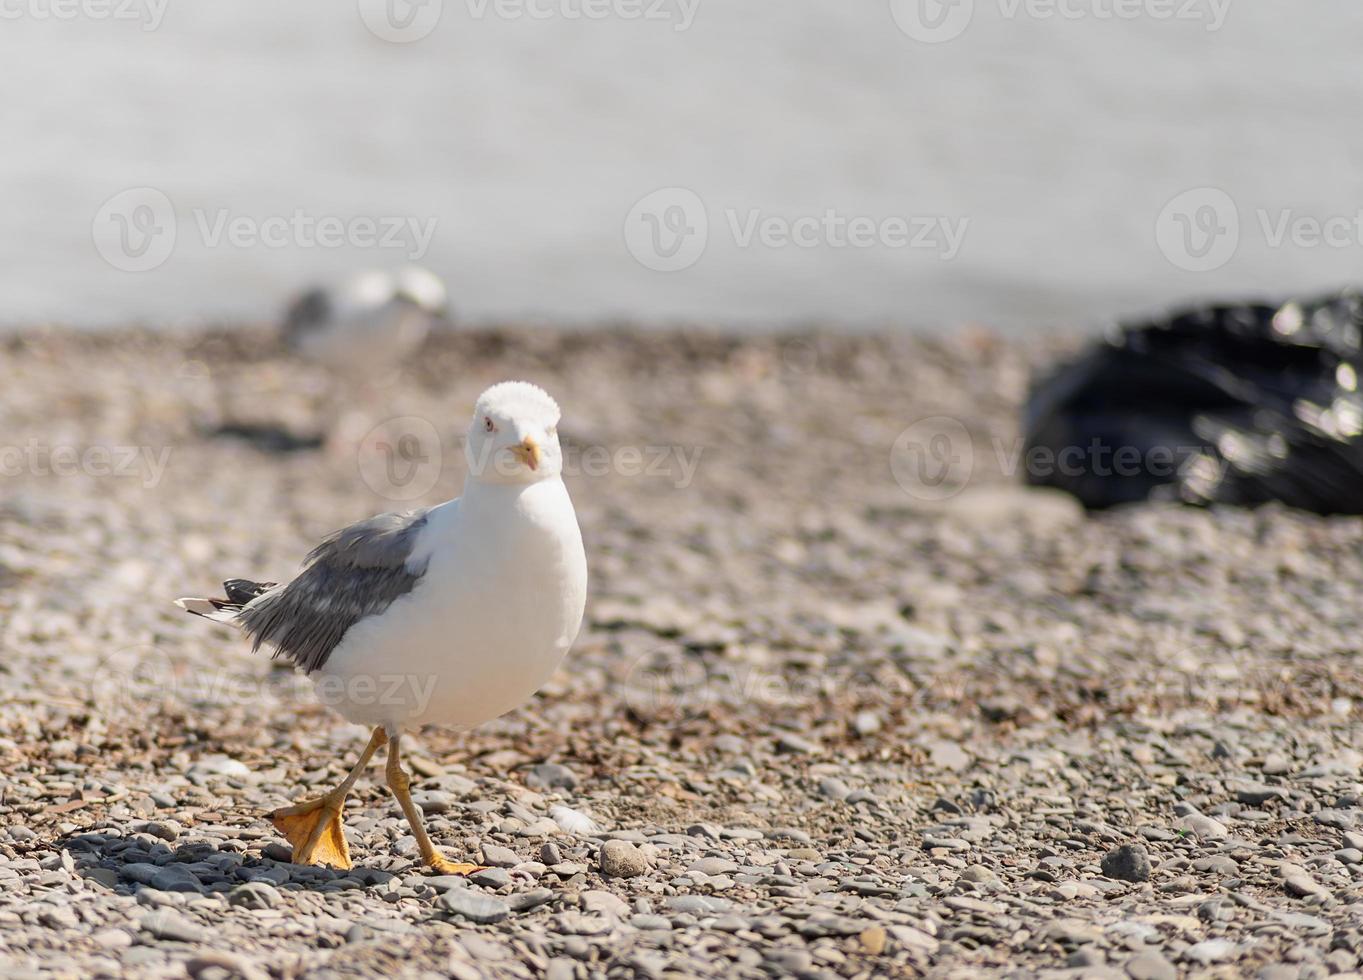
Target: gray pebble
[(1130, 862), (474, 906), (1150, 965), (254, 895), (173, 927)]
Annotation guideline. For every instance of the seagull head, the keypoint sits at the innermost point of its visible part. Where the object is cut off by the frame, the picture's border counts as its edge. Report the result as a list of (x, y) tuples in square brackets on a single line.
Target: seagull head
[(513, 437)]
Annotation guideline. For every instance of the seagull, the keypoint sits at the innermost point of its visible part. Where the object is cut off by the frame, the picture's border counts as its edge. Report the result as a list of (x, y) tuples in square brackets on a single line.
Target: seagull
[(451, 615), (368, 325)]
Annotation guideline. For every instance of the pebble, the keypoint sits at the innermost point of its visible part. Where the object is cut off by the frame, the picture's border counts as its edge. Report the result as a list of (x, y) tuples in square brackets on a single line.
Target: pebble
[(1298, 881), (551, 775), (171, 926), (525, 901), (493, 878), (1150, 965), (501, 857), (476, 907), (175, 878), (1210, 951), (254, 895), (621, 859), (1130, 862)]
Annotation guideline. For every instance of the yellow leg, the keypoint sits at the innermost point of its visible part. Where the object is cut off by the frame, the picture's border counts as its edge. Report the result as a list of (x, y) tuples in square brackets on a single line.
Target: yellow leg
[(314, 826), (400, 783)]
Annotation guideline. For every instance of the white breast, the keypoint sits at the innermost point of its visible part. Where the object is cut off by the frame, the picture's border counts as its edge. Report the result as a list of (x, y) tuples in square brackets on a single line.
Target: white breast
[(498, 607)]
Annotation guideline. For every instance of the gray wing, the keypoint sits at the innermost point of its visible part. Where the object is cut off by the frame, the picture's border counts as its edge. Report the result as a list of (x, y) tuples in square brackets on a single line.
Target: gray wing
[(354, 573)]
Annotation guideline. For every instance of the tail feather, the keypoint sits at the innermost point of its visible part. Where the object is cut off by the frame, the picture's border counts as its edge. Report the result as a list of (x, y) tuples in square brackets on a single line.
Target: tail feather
[(239, 591)]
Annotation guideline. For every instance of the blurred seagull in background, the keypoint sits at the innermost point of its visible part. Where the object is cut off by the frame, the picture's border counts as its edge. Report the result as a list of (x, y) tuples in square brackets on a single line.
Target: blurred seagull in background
[(368, 326)]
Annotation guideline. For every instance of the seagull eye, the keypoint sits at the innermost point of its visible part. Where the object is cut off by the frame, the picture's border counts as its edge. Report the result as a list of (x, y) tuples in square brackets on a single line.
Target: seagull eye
[(487, 424)]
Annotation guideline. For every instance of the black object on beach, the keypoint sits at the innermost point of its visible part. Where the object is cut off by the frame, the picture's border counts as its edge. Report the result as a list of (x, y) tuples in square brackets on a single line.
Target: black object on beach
[(1234, 404)]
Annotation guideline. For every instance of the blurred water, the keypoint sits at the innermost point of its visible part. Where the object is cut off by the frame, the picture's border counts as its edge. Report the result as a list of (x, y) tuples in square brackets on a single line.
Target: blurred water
[(1053, 144)]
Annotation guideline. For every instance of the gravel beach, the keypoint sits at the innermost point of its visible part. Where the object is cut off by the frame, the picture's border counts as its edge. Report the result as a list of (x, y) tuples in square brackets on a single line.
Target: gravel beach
[(832, 713)]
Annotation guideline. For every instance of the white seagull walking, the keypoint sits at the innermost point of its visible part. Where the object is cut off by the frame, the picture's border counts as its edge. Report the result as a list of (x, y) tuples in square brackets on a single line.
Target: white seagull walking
[(452, 615)]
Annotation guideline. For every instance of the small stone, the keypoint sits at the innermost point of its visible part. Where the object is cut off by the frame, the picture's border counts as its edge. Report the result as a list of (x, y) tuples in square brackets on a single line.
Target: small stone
[(501, 857), (1257, 794), (873, 939), (712, 866), (1276, 764), (949, 756), (1130, 862), (493, 878), (60, 917), (112, 938), (551, 775), (1150, 965), (792, 744), (525, 901), (176, 878), (621, 859), (979, 873), (1086, 957), (1298, 881), (834, 788), (605, 903), (1202, 826), (650, 922), (164, 829), (1210, 951), (549, 854), (254, 895), (866, 723), (476, 907), (171, 926)]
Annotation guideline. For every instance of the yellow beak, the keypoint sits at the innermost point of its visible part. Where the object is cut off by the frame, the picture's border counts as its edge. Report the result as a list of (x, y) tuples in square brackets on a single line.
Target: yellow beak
[(528, 452)]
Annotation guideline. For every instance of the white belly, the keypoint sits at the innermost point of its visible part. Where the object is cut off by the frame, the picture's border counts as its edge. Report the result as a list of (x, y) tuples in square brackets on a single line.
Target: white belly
[(486, 626)]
